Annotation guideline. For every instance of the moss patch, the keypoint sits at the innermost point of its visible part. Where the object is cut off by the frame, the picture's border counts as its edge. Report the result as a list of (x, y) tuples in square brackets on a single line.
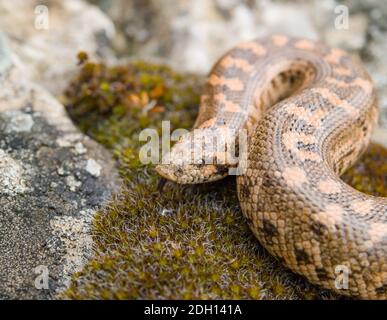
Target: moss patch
[(369, 175), (189, 242)]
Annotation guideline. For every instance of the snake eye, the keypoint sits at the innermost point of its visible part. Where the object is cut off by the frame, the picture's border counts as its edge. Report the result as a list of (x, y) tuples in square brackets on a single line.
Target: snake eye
[(201, 162)]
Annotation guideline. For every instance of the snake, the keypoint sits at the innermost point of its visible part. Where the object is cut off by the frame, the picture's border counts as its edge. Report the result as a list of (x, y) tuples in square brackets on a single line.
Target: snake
[(287, 116)]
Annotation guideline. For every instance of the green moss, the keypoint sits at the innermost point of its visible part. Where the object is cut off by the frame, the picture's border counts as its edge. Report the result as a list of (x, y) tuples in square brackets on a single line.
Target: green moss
[(188, 242), (369, 175)]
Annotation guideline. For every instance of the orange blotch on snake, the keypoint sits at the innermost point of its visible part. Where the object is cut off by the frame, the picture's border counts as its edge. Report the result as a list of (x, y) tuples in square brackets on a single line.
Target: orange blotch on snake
[(228, 105), (280, 40), (334, 56), (313, 118), (294, 176), (304, 45), (242, 64), (364, 84), (362, 207), (332, 215), (234, 84), (336, 101), (377, 231), (291, 139), (232, 107), (208, 123), (337, 83), (341, 71), (255, 47), (328, 186)]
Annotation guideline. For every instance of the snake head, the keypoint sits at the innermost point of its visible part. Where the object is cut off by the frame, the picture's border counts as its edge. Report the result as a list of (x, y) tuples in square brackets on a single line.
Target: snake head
[(195, 158)]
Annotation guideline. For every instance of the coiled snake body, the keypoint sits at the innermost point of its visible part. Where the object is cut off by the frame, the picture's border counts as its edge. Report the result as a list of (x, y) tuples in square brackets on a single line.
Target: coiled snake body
[(308, 111)]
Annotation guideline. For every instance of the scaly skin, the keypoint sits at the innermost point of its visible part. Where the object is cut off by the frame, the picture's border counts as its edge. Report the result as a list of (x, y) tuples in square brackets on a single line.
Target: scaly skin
[(309, 111)]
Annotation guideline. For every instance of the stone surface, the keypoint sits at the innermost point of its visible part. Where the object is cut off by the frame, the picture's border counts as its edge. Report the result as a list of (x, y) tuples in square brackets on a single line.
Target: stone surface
[(52, 180), (380, 136), (47, 38)]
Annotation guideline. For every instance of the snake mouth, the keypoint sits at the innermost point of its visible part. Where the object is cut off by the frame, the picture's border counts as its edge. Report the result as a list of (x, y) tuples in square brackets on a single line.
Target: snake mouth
[(192, 174), (164, 172)]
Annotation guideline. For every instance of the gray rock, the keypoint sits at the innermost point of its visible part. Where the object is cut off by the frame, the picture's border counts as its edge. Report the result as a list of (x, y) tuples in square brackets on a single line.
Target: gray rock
[(190, 35), (16, 121), (52, 181), (47, 38), (379, 136)]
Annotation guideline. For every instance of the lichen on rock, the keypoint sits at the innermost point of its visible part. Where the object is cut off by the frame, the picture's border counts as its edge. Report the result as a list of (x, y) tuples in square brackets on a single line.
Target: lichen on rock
[(47, 196), (11, 175)]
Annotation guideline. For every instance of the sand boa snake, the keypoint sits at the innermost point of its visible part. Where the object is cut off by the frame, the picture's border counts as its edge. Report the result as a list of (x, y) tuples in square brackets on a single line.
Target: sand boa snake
[(308, 111)]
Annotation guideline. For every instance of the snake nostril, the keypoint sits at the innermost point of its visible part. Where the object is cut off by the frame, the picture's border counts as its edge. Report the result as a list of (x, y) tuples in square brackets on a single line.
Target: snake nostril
[(179, 171)]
